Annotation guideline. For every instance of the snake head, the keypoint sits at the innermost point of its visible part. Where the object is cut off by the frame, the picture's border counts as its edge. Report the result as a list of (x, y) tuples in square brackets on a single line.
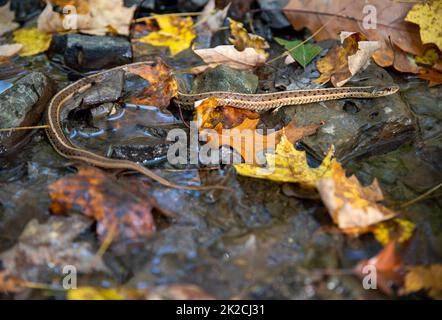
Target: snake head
[(385, 91)]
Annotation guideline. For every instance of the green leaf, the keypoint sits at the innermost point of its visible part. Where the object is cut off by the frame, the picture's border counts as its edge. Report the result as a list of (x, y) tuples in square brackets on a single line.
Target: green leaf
[(303, 54)]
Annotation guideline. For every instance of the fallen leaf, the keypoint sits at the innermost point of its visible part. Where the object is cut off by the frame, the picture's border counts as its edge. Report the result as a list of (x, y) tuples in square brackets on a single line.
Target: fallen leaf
[(9, 50), (48, 247), (241, 39), (112, 203), (162, 85), (7, 17), (247, 59), (33, 41), (210, 21), (166, 292), (288, 165), (397, 230), (176, 33), (303, 54), (388, 267), (428, 278), (95, 17), (434, 77), (430, 57), (342, 63), (349, 203), (350, 15), (429, 18), (8, 283)]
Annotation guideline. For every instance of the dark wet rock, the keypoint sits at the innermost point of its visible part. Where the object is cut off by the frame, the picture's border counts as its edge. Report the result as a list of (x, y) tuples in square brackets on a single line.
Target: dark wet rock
[(426, 104), (273, 14), (223, 78), (26, 9), (23, 105), (357, 127), (142, 153), (191, 5), (143, 5), (87, 53)]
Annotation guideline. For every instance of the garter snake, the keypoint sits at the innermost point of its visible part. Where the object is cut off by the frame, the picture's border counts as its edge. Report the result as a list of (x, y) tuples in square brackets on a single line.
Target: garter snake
[(253, 102)]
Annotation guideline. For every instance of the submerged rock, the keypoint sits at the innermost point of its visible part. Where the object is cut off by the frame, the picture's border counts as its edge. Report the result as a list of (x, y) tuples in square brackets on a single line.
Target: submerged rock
[(357, 127), (23, 105)]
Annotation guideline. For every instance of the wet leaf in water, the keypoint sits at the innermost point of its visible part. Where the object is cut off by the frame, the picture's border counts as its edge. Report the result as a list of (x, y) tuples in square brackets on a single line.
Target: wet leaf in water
[(41, 246), (288, 165), (385, 268), (123, 206), (162, 85)]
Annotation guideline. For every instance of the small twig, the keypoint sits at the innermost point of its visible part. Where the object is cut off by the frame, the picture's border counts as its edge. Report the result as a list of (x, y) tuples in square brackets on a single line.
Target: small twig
[(182, 118), (24, 128), (422, 196)]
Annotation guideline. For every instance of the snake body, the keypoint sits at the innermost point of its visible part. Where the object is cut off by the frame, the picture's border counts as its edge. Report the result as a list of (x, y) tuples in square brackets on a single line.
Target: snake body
[(253, 102)]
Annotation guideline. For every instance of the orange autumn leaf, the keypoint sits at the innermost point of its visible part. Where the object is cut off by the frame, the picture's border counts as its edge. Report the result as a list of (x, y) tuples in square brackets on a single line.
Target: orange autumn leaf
[(428, 278), (386, 266), (9, 283), (161, 86), (112, 203), (237, 128), (241, 39), (434, 77)]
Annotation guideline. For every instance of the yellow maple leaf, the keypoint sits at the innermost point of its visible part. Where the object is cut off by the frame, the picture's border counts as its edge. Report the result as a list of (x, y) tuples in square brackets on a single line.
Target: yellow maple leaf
[(398, 230), (425, 278), (242, 39), (33, 40), (429, 18), (176, 33), (288, 165), (92, 293)]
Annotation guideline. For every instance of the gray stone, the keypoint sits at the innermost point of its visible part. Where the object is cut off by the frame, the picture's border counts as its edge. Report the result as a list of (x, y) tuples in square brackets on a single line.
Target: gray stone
[(223, 78), (23, 105), (357, 127)]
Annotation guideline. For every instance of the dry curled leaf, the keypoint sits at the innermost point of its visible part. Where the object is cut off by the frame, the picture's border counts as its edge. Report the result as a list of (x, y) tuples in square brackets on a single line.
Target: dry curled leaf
[(342, 63), (247, 59), (33, 41), (349, 203), (124, 205), (384, 18), (9, 50), (176, 33), (428, 278), (288, 165), (95, 17)]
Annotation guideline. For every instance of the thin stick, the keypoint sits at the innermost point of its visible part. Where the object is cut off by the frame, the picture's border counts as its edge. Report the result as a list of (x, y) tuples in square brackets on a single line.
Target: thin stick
[(408, 203), (24, 128)]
